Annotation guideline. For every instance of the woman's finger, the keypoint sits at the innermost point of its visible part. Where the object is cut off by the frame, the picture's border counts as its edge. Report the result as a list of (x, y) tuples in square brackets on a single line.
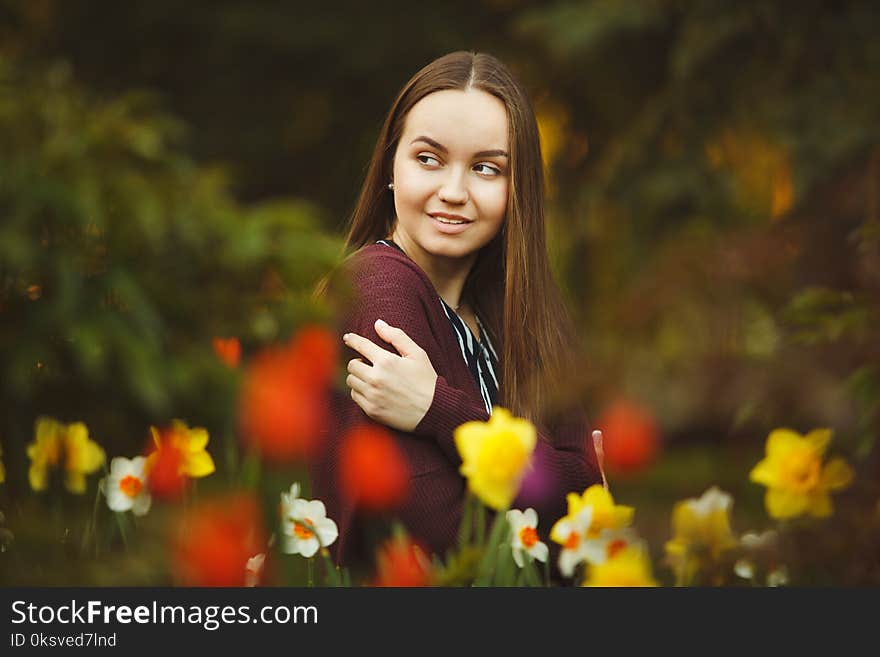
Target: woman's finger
[(360, 369), (397, 338), (361, 401), (364, 346), (353, 382)]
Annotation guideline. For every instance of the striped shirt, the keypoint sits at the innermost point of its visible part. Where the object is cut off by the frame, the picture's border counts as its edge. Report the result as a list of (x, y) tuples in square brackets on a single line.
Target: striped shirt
[(479, 355)]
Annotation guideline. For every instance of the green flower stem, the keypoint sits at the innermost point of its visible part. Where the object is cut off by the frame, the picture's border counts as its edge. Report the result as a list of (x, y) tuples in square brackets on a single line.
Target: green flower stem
[(120, 522), (480, 520), (464, 535), (92, 526), (490, 556), (530, 573), (506, 574), (333, 577)]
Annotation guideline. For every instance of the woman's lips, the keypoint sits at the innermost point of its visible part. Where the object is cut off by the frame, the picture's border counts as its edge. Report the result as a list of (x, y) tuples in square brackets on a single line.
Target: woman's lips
[(448, 228)]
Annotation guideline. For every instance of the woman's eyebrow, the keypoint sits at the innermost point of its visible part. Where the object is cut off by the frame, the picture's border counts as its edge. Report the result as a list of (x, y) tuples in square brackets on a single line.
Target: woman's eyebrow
[(440, 147)]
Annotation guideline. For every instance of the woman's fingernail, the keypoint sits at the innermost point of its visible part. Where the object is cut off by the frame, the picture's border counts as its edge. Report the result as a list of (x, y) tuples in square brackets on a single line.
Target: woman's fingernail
[(345, 338), (381, 323)]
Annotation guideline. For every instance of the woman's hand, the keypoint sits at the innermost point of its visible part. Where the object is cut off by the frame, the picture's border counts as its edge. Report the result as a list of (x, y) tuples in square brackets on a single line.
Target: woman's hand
[(395, 390)]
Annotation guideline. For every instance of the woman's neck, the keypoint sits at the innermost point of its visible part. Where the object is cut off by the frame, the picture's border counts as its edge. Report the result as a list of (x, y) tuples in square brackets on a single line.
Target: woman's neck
[(448, 275)]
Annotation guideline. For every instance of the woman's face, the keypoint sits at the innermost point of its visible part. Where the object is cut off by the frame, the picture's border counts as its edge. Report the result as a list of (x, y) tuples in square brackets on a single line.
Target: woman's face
[(451, 175)]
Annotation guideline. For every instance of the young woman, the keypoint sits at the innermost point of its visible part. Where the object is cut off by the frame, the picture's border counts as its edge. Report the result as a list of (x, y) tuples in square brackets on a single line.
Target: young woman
[(455, 309)]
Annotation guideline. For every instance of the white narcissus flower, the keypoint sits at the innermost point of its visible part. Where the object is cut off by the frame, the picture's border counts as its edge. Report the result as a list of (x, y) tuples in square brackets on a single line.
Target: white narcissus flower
[(525, 536), (288, 498), (571, 532), (305, 526), (126, 486), (609, 542)]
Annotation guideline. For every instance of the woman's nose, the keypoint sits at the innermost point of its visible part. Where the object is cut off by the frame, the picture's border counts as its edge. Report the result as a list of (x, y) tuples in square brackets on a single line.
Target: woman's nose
[(453, 190)]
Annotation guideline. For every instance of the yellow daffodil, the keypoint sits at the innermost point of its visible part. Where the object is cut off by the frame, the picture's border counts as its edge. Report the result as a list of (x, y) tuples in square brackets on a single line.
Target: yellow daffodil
[(494, 456), (701, 533), (579, 531), (796, 480), (45, 451), (630, 566), (83, 456), (68, 445), (606, 515), (189, 444)]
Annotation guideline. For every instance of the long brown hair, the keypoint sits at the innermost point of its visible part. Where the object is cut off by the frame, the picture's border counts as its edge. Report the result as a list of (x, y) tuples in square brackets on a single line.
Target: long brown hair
[(511, 286)]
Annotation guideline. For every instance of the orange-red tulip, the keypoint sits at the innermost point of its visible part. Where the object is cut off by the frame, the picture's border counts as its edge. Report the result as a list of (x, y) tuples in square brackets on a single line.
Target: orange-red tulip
[(631, 436), (402, 562), (316, 350), (285, 396), (216, 539), (228, 350), (165, 477), (373, 472)]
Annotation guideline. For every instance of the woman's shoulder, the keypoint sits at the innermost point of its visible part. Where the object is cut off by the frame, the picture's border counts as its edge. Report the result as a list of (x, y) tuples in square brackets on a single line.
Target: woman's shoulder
[(379, 265)]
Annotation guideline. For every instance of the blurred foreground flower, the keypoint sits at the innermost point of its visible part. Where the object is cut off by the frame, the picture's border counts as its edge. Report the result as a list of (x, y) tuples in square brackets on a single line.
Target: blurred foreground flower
[(606, 514), (495, 455), (66, 445), (630, 566), (570, 532), (762, 559), (228, 350), (373, 472), (524, 528), (126, 487), (796, 480), (284, 398), (402, 562), (179, 453), (305, 526), (608, 543), (630, 435), (588, 514), (215, 540), (701, 533)]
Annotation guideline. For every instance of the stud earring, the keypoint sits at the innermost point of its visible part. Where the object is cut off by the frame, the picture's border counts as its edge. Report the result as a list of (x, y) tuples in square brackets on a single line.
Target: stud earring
[(390, 185)]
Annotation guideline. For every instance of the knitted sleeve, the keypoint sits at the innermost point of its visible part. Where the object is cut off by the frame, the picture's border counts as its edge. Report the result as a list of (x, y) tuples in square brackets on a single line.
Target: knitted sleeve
[(389, 287)]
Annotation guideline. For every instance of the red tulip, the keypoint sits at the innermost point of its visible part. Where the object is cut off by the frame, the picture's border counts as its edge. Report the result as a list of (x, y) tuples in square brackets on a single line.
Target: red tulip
[(228, 350), (631, 436), (165, 477), (316, 351), (285, 396), (215, 540), (373, 472), (402, 562)]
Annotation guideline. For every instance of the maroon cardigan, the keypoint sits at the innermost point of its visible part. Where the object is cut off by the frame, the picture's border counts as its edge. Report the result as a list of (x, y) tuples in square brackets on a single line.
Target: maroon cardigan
[(390, 286)]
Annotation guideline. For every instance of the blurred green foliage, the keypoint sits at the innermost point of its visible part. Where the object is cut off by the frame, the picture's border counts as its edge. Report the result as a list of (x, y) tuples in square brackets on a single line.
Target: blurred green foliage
[(121, 258)]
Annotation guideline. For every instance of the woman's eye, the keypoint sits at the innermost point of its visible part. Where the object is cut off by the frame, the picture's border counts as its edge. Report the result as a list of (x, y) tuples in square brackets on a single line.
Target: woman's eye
[(487, 169), (428, 159)]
